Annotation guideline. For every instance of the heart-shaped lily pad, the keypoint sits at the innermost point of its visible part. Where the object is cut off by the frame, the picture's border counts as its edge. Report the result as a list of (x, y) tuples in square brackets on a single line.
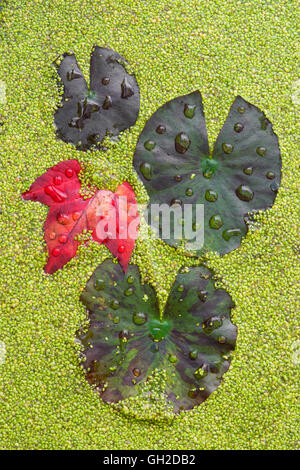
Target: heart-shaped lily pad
[(240, 176), (127, 339), (109, 106)]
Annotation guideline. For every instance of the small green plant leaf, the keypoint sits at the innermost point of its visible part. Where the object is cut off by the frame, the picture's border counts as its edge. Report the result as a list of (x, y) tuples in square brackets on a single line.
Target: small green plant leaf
[(242, 174), (127, 339), (110, 106)]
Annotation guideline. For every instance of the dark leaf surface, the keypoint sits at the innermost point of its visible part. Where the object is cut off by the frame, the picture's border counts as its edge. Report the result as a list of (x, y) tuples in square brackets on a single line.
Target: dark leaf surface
[(240, 176), (109, 106), (192, 342)]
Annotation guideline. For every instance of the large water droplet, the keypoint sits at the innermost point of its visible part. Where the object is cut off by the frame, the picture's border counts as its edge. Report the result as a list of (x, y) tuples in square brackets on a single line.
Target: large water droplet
[(69, 172), (248, 171), (173, 359), (274, 186), (57, 180), (193, 354), (115, 304), (126, 88), (136, 372), (232, 232), (215, 222), (56, 251), (270, 175), (105, 80), (238, 127), (124, 335), (202, 294), (211, 195), (241, 109), (130, 279), (189, 110), (149, 144), (189, 192), (227, 148), (180, 288), (146, 170), (161, 129), (176, 202), (55, 193), (212, 324), (244, 193), (261, 151), (178, 178), (99, 284), (182, 142), (139, 318), (201, 372), (62, 238), (107, 103), (63, 219), (129, 291)]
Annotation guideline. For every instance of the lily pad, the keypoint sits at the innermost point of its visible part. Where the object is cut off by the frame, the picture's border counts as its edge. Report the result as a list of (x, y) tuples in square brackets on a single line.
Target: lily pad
[(127, 339), (241, 175), (109, 106)]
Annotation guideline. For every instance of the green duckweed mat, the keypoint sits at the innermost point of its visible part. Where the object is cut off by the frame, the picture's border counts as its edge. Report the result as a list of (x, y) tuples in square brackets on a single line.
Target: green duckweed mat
[(223, 48)]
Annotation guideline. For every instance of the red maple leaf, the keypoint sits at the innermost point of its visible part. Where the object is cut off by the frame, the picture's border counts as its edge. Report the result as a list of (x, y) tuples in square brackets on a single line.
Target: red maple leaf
[(112, 217)]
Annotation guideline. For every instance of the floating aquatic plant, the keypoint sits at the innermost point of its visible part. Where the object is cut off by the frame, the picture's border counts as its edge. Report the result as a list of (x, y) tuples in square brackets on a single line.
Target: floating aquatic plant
[(241, 175), (71, 214), (127, 338), (110, 104)]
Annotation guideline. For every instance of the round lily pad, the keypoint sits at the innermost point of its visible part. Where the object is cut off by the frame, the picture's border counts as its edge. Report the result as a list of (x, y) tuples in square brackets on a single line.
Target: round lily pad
[(240, 176), (127, 338)]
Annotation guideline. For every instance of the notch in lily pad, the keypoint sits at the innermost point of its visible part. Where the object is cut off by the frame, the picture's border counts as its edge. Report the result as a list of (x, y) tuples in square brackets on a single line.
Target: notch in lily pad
[(192, 343), (110, 105), (240, 176)]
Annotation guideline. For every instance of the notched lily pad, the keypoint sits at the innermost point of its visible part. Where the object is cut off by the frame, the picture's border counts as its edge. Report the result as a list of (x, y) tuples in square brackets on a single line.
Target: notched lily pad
[(126, 339), (109, 106), (240, 176)]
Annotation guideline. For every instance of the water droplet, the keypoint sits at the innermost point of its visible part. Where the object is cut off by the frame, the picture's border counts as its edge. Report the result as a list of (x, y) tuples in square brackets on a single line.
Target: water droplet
[(55, 193), (211, 195), (139, 318), (189, 110), (62, 238), (149, 144), (274, 186), (232, 232), (222, 339), (126, 88), (248, 171), (202, 294), (263, 123), (129, 291), (182, 142), (161, 129), (121, 249), (130, 279), (270, 175), (180, 288), (192, 393), (69, 172), (73, 75), (124, 335), (193, 354), (159, 329), (212, 324), (107, 103), (63, 219), (116, 319), (241, 109), (105, 80), (173, 359), (146, 170), (201, 372), (99, 284), (154, 348), (56, 251), (57, 180), (189, 192), (176, 202), (136, 372), (261, 151), (178, 178), (52, 236), (227, 148), (115, 304), (238, 127), (244, 193), (215, 222)]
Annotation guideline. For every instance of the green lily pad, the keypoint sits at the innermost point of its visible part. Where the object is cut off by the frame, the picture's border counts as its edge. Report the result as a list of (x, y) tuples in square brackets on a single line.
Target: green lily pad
[(241, 175), (110, 106), (127, 339)]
